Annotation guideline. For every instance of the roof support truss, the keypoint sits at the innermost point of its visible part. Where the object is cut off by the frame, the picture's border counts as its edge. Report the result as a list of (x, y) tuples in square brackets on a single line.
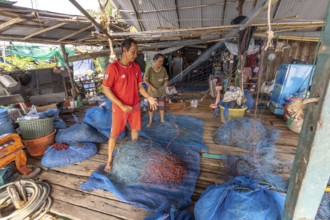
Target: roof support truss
[(11, 22), (45, 30), (75, 33)]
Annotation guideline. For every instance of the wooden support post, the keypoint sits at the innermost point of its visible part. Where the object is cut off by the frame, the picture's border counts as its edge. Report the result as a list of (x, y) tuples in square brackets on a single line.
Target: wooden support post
[(64, 86), (240, 71), (311, 168), (65, 56)]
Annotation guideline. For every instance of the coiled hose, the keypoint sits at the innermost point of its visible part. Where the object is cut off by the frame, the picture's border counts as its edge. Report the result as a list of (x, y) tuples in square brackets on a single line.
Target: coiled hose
[(38, 200)]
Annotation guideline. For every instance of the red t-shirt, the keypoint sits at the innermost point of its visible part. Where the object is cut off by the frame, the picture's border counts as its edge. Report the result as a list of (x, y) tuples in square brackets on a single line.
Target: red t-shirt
[(124, 83)]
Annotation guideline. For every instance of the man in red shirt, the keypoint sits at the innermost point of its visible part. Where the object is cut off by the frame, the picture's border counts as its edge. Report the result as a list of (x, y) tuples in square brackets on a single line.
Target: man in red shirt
[(121, 84)]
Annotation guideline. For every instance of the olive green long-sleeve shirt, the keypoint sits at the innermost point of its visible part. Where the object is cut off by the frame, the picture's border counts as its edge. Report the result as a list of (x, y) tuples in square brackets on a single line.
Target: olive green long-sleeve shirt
[(157, 80)]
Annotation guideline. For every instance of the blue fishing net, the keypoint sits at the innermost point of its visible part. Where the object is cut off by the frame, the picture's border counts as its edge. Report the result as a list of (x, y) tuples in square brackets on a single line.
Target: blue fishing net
[(249, 100), (260, 166), (181, 137), (79, 132), (324, 209), (100, 118), (75, 152), (59, 124), (146, 161), (49, 113), (260, 161), (240, 133), (239, 198)]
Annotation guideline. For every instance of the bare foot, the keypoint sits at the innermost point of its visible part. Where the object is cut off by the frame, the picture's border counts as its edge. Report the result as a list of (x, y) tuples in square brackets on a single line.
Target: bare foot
[(162, 121), (107, 168), (148, 125)]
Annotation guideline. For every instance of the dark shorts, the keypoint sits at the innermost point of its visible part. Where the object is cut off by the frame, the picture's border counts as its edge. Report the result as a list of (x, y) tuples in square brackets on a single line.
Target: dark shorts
[(161, 104)]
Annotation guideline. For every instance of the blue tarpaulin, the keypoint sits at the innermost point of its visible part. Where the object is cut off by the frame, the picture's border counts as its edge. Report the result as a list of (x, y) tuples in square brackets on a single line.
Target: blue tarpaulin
[(240, 198), (180, 135)]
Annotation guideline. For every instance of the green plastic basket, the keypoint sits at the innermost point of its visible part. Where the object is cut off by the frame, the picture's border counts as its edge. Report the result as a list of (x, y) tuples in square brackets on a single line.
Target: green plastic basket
[(36, 128)]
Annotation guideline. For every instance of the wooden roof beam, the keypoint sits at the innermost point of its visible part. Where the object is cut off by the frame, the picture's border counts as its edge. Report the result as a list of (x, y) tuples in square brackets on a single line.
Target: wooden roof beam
[(75, 33), (45, 30), (11, 22), (33, 40), (28, 17)]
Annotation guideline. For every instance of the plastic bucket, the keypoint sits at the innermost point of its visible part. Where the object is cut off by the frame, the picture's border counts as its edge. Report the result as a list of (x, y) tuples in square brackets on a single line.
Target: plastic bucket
[(37, 147), (233, 113), (5, 123)]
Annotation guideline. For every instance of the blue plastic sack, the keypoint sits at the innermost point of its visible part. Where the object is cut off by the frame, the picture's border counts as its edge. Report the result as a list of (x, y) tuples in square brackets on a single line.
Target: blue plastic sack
[(80, 132), (173, 215), (249, 100), (100, 118), (76, 152), (324, 208), (49, 113), (59, 124), (240, 198)]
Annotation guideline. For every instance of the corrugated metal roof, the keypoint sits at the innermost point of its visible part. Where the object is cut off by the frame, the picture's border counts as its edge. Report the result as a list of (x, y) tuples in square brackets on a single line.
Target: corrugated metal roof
[(154, 21), (196, 13), (307, 9), (212, 15), (231, 12), (191, 17), (129, 17)]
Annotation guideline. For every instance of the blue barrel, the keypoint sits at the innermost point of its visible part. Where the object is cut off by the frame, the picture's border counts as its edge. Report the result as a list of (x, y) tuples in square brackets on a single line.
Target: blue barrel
[(5, 123)]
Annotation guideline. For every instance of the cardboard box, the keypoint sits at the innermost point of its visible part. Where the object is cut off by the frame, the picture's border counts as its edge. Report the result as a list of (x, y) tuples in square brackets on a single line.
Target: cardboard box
[(45, 107), (176, 106)]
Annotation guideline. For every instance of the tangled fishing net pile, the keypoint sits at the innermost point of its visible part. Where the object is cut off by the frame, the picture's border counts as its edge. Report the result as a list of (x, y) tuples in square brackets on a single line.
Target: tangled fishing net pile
[(259, 141), (145, 161), (241, 133)]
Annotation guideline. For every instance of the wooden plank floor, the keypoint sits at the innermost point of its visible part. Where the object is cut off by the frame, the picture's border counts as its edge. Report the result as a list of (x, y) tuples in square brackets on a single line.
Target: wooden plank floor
[(72, 202)]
